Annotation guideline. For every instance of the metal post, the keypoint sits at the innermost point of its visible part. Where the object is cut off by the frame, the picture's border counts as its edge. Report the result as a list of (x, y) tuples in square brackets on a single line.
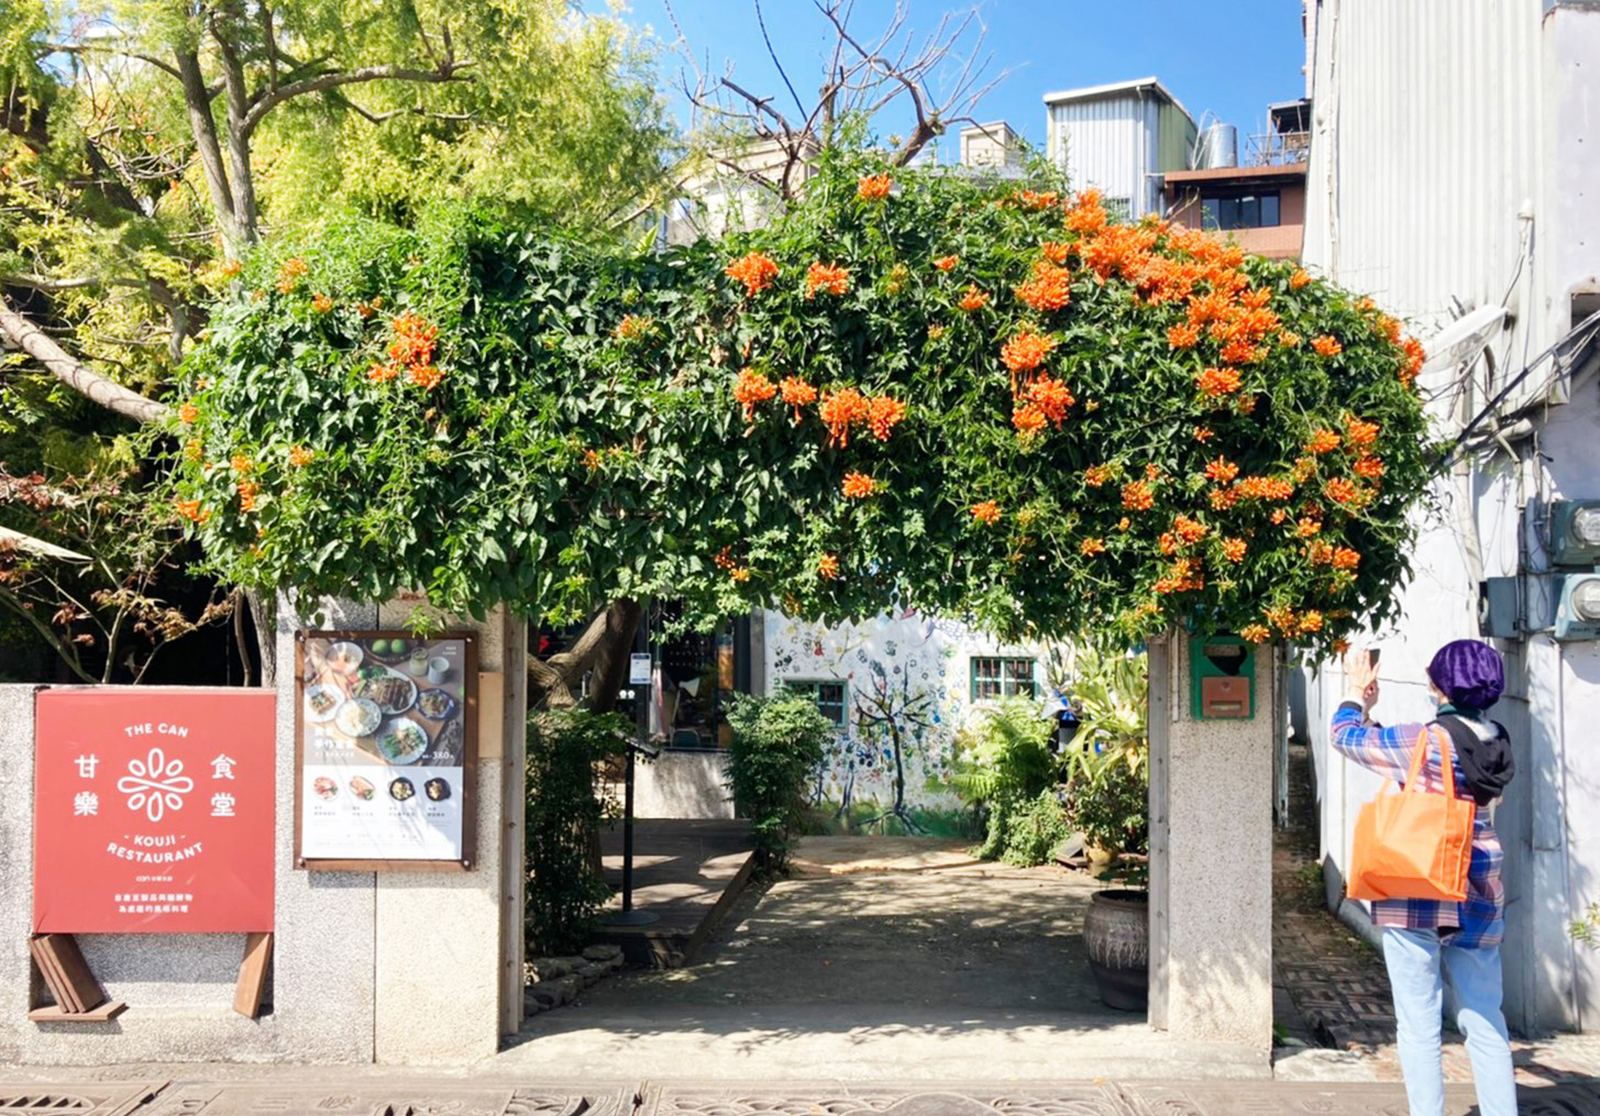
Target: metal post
[(627, 836)]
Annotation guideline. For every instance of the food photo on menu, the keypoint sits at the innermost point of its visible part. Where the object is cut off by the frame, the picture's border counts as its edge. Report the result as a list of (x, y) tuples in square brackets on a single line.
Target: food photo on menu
[(383, 723)]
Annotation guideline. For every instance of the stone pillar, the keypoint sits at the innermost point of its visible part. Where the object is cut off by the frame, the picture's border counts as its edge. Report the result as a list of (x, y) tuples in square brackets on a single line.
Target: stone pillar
[(442, 943), (1211, 797)]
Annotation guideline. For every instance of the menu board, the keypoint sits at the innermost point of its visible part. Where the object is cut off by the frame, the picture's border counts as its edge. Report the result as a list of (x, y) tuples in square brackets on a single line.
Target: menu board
[(386, 750), (153, 810)]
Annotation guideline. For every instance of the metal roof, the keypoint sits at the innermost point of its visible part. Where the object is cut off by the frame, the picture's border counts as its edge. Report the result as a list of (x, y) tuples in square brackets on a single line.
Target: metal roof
[(1096, 92)]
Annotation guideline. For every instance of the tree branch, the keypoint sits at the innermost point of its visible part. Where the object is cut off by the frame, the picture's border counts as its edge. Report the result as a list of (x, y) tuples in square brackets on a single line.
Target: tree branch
[(449, 70), (76, 375), (47, 49)]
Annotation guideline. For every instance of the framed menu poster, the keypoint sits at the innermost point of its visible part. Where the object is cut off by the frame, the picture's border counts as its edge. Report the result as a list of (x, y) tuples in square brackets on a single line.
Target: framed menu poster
[(386, 750)]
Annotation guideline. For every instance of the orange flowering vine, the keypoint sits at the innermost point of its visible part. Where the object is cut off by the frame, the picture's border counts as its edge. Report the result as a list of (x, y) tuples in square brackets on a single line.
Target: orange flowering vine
[(755, 270), (946, 263), (1369, 466), (797, 394), (321, 303), (1183, 336), (290, 272), (883, 415), (1234, 549), (1189, 531), (986, 511), (828, 566), (1326, 346), (1340, 490), (1096, 475), (239, 463), (826, 278), (425, 376), (1217, 382), (1138, 496), (1092, 546), (840, 410), (1323, 441), (1221, 470), (1300, 278), (1028, 418), (874, 187), (188, 412), (1360, 433), (1344, 558), (191, 510), (1049, 288), (632, 327), (1204, 434), (973, 299), (1026, 351), (1256, 633), (248, 492), (1056, 251), (300, 457), (858, 486), (751, 388)]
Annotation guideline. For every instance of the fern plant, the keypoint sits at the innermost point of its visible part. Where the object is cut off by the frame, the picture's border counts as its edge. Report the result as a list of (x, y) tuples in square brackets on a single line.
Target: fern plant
[(1004, 766)]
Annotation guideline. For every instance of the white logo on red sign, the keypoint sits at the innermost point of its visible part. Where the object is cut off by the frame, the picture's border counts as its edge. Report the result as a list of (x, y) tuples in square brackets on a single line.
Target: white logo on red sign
[(155, 784)]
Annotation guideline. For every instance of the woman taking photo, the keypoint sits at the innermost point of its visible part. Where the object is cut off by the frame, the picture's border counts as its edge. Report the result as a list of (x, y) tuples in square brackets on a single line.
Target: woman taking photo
[(1428, 943)]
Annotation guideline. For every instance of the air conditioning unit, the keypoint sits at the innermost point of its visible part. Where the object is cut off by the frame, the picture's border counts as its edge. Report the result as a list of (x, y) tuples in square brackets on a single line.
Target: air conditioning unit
[(1575, 532), (1578, 613)]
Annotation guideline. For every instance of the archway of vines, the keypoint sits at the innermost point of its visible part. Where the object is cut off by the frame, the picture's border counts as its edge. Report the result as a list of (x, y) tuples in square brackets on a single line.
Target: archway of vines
[(968, 395)]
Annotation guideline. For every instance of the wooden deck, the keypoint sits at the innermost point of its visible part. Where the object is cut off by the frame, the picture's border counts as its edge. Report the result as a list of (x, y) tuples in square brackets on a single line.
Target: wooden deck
[(688, 872)]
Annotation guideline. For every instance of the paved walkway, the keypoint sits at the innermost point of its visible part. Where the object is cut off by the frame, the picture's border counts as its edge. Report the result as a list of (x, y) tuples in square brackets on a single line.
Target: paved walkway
[(254, 1091)]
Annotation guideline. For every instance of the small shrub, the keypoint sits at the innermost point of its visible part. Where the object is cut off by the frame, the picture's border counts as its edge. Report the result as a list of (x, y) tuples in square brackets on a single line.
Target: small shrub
[(1004, 765), (777, 745), (562, 814)]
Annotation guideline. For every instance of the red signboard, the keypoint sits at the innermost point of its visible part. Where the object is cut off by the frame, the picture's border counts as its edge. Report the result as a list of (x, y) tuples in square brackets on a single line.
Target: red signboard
[(153, 811)]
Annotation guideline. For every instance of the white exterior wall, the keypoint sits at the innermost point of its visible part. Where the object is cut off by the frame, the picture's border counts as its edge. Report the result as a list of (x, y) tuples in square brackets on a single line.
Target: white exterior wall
[(1455, 149), (1112, 144)]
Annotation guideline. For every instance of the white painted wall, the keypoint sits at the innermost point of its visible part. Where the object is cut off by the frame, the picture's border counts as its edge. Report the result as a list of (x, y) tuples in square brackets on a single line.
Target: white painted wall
[(1455, 149), (1113, 143)]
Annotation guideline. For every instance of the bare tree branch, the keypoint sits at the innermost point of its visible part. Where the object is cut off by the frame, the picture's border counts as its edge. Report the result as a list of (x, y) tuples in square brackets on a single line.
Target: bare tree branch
[(47, 49), (76, 375)]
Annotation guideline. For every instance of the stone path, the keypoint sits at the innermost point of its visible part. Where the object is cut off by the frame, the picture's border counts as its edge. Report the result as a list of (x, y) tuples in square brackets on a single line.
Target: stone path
[(298, 1091)]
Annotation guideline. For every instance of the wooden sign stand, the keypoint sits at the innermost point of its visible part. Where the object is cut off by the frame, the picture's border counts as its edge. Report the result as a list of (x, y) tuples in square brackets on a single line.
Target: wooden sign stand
[(253, 975), (79, 997)]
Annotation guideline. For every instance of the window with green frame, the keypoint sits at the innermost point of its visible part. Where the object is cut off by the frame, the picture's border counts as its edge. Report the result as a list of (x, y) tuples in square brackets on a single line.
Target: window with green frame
[(998, 676), (831, 697)]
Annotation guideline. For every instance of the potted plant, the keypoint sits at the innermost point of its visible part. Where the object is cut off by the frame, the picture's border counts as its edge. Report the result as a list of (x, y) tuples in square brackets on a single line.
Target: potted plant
[(1108, 803)]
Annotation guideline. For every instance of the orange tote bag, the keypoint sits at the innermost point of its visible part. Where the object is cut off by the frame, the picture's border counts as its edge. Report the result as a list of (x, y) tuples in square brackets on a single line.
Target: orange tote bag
[(1414, 844)]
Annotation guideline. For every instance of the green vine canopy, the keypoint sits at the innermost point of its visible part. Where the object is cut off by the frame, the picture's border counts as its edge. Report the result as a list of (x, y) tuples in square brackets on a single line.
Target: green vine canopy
[(969, 395)]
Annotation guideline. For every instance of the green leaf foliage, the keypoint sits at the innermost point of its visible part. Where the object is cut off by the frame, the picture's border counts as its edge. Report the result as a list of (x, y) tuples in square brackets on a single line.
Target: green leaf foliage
[(1005, 767), (777, 744), (562, 814), (1061, 425)]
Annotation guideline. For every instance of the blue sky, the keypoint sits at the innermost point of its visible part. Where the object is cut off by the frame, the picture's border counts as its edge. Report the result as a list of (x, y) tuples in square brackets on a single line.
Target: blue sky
[(1232, 58)]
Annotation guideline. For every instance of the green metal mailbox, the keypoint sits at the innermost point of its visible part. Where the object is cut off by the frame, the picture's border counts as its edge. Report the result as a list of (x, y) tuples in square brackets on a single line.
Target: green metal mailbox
[(1222, 675)]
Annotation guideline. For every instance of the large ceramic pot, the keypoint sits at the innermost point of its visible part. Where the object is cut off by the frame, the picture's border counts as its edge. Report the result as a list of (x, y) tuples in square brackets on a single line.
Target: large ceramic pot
[(1117, 933)]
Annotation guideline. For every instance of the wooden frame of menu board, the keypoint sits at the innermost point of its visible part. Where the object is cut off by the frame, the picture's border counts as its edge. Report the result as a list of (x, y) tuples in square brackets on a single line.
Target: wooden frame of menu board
[(467, 797)]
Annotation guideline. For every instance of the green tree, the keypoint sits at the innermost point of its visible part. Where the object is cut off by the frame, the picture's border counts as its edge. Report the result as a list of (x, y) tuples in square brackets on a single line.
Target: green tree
[(146, 145)]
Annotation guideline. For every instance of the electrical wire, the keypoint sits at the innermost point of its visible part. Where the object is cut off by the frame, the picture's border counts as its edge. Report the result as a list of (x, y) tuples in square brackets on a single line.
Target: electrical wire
[(1591, 324)]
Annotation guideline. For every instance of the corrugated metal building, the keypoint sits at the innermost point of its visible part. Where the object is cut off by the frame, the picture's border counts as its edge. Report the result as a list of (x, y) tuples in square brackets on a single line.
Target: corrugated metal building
[(1120, 138), (1454, 160)]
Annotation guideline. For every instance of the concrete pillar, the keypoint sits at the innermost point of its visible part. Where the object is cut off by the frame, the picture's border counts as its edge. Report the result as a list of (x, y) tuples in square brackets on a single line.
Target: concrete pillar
[(442, 944), (1211, 798)]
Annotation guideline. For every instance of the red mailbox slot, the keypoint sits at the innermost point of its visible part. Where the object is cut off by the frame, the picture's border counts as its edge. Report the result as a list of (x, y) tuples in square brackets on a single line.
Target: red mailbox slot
[(1225, 697)]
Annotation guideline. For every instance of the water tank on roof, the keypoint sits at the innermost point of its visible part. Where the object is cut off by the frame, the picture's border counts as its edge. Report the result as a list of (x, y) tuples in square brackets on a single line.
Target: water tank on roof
[(1219, 147)]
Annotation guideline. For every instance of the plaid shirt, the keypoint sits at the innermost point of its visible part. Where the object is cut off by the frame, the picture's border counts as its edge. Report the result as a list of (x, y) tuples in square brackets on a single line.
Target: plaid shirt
[(1388, 751)]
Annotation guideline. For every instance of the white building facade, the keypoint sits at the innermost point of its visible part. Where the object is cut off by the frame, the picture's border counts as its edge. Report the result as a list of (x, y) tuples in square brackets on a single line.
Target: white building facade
[(1455, 171)]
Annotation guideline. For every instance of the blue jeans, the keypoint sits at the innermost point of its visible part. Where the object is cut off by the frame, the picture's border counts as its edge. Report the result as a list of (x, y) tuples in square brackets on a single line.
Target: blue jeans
[(1419, 964)]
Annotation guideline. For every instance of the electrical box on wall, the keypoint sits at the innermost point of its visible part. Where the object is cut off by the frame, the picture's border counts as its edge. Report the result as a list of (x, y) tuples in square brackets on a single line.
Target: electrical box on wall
[(1575, 532), (1578, 613), (1499, 609), (1222, 675)]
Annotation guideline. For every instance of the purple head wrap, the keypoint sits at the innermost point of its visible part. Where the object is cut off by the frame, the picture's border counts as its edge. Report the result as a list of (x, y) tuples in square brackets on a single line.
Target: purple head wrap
[(1469, 673)]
